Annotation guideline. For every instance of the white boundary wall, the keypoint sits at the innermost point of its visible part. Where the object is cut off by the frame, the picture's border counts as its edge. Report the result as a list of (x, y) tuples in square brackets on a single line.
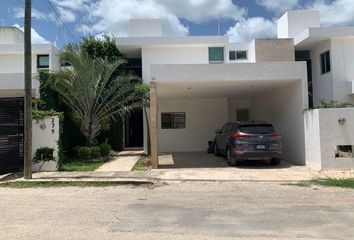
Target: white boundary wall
[(45, 133), (323, 133)]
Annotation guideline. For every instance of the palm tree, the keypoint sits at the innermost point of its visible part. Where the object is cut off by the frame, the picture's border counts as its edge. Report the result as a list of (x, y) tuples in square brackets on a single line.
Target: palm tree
[(93, 90)]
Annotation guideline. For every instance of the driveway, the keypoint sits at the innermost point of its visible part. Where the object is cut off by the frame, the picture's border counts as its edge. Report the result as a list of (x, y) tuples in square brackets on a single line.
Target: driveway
[(187, 210), (209, 160)]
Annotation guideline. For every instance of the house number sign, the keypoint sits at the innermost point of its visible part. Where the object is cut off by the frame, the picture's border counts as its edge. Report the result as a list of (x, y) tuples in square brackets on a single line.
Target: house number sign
[(53, 125)]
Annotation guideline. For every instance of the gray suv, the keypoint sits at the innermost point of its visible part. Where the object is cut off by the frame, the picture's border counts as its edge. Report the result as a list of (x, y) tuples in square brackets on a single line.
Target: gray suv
[(240, 141)]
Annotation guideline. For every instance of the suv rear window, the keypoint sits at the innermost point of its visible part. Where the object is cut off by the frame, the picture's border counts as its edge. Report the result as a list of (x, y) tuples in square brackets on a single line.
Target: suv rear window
[(257, 128)]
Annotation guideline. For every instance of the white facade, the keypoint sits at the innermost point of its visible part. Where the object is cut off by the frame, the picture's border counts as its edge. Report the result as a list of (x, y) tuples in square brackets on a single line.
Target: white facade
[(12, 62), (294, 22), (304, 28), (210, 93)]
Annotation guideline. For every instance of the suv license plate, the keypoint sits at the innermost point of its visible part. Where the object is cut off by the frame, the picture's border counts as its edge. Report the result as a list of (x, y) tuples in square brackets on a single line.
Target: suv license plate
[(260, 147)]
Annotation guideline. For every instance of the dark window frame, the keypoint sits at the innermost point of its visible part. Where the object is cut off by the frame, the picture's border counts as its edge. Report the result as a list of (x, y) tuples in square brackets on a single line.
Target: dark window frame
[(235, 55), (38, 64), (232, 55), (325, 62), (174, 123)]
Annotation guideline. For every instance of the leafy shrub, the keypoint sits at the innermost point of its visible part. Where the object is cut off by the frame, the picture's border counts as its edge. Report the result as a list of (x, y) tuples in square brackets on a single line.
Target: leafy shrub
[(84, 153), (334, 104), (105, 149), (95, 152), (44, 154)]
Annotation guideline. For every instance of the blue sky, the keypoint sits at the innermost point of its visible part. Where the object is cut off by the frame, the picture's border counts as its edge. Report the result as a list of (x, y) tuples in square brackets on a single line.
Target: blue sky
[(62, 21)]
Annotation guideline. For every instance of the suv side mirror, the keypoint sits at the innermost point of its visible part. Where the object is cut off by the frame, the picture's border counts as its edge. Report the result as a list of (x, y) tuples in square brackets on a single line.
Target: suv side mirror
[(218, 131)]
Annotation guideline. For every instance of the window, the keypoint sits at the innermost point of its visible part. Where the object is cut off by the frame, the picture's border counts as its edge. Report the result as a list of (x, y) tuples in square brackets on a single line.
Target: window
[(224, 128), (173, 120), (228, 129), (242, 115), (344, 151), (257, 128), (43, 61), (216, 54), (325, 62), (237, 55)]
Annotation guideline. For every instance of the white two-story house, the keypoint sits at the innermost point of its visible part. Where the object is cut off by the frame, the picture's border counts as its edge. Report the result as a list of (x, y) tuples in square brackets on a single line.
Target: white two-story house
[(198, 83)]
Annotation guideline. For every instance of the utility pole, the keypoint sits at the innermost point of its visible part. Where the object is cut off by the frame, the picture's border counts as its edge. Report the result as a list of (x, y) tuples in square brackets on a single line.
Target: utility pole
[(28, 93)]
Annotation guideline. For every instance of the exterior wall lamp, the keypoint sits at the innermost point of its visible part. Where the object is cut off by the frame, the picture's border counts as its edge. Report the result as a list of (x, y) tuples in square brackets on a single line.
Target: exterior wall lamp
[(342, 121)]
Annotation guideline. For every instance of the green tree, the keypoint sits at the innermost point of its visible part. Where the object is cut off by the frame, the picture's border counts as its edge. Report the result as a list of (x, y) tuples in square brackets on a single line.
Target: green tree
[(89, 87), (105, 48)]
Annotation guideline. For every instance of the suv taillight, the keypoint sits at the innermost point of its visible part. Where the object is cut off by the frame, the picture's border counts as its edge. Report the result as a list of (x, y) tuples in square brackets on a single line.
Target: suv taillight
[(276, 135), (240, 136)]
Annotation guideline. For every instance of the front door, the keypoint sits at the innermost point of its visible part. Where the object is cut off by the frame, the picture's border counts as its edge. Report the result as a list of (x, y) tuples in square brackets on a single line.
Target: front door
[(134, 129)]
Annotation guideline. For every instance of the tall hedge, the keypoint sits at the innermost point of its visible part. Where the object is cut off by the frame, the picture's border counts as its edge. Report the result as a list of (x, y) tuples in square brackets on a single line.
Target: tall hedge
[(50, 100)]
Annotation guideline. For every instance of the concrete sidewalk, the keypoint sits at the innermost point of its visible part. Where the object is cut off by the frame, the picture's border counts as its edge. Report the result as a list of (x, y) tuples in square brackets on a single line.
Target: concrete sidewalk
[(123, 161), (292, 174)]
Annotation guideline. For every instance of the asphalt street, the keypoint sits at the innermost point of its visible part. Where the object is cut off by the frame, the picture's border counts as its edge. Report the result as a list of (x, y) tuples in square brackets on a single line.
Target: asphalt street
[(179, 210)]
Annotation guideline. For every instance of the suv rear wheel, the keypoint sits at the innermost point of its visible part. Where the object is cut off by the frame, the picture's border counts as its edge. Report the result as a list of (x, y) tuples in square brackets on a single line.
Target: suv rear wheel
[(275, 161), (216, 149), (231, 160)]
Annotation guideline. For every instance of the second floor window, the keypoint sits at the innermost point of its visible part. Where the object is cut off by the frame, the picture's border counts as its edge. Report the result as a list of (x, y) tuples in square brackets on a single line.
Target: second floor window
[(237, 55), (325, 62), (216, 54), (42, 61)]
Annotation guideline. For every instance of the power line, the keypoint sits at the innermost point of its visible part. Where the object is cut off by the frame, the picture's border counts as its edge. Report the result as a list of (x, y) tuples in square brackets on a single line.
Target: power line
[(59, 21)]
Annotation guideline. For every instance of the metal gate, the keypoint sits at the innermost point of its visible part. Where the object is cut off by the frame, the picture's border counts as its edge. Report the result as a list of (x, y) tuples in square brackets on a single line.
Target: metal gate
[(11, 134)]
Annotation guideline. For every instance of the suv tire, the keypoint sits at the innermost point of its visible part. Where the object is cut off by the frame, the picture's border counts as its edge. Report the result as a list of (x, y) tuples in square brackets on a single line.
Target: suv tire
[(275, 161), (216, 149), (231, 160)]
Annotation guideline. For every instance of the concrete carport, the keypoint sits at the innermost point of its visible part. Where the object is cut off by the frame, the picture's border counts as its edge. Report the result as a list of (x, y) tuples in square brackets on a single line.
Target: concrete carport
[(209, 95)]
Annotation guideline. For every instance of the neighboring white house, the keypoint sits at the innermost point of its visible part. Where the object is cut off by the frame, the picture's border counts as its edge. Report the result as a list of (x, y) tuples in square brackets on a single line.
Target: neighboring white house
[(12, 92), (198, 83), (44, 56), (329, 49)]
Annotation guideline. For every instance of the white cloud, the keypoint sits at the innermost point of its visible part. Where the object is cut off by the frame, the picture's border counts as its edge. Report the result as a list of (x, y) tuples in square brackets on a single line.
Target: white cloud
[(280, 6), (203, 10), (114, 15), (66, 15), (36, 38), (336, 13), (71, 4), (246, 30)]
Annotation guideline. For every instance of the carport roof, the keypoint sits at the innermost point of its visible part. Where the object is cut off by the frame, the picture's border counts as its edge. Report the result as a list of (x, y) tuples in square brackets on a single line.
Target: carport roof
[(239, 80)]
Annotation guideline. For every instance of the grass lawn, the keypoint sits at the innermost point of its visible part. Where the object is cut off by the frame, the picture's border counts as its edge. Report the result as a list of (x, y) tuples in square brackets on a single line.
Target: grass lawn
[(82, 165), (43, 184), (344, 183), (142, 163)]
